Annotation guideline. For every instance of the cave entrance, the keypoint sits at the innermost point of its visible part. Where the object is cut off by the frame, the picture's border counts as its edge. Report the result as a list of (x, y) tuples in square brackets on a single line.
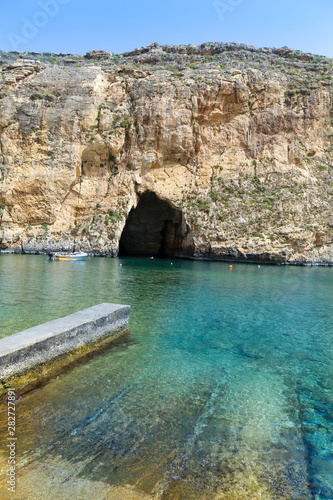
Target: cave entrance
[(155, 229)]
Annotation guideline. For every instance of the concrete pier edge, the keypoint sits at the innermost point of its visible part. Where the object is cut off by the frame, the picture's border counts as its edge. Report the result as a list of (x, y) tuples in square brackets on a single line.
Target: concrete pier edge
[(32, 357)]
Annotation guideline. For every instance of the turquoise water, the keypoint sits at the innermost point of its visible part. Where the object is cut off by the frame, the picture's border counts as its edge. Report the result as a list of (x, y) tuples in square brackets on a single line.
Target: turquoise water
[(224, 389)]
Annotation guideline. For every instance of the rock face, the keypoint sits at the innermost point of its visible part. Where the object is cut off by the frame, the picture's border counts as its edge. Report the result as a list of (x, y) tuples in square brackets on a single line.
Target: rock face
[(219, 151)]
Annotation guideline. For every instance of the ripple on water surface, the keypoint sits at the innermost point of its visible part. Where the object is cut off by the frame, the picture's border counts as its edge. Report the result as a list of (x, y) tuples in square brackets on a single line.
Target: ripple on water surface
[(224, 388)]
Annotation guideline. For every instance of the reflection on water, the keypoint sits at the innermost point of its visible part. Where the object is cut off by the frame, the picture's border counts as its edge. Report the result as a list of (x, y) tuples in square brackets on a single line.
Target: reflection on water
[(223, 390)]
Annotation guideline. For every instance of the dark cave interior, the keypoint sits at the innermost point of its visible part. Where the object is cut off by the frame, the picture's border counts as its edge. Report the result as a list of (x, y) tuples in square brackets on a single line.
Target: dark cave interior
[(155, 229)]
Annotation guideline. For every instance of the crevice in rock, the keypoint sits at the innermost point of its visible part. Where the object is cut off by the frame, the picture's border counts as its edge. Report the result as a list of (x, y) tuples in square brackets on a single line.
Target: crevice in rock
[(156, 229)]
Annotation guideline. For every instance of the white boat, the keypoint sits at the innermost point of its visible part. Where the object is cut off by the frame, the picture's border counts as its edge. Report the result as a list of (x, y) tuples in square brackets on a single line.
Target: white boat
[(68, 256)]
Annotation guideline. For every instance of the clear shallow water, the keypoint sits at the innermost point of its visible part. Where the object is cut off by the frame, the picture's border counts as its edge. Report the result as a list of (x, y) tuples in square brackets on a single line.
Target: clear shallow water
[(223, 390)]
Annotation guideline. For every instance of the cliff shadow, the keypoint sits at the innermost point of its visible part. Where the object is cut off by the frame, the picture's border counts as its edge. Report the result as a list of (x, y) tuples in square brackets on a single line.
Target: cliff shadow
[(156, 229)]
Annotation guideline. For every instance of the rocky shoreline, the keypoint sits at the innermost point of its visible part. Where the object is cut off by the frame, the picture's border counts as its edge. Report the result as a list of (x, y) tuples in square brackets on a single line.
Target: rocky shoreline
[(241, 259)]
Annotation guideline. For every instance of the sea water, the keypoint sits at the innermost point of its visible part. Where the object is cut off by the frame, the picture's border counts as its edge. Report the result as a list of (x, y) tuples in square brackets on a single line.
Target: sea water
[(223, 389)]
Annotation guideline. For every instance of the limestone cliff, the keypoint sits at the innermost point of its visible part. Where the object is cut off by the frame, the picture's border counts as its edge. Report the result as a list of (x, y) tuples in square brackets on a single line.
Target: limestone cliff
[(226, 150)]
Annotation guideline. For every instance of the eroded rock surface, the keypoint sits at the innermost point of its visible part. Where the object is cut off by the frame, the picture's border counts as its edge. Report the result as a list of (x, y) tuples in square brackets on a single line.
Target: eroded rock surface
[(237, 141)]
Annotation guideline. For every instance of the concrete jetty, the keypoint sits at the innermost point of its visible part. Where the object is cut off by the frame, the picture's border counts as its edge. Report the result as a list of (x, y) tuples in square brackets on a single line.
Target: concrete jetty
[(35, 355)]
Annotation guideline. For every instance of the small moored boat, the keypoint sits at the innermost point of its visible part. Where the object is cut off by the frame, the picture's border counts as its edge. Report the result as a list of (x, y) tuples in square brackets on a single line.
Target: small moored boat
[(68, 256)]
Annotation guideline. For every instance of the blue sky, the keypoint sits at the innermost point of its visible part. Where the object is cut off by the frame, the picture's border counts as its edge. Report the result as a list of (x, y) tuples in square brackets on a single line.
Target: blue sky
[(76, 26)]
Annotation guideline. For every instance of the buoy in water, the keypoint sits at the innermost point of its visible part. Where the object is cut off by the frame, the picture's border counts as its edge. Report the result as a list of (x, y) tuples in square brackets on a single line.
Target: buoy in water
[(259, 267), (230, 267)]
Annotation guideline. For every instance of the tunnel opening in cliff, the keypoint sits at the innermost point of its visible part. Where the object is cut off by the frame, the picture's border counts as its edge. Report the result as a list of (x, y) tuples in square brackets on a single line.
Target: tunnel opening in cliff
[(155, 229)]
